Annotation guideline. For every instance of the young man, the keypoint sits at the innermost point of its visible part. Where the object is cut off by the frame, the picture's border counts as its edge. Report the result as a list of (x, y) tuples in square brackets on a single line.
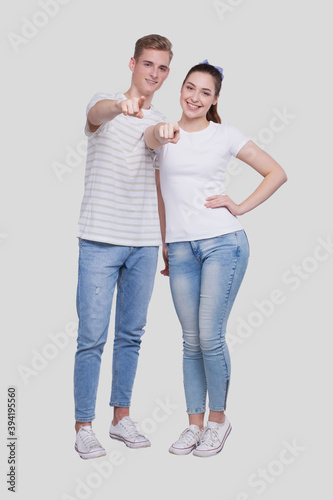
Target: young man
[(118, 239)]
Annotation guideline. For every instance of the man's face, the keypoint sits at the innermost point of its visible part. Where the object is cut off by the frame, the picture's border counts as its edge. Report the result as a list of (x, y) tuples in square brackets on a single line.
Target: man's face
[(150, 70)]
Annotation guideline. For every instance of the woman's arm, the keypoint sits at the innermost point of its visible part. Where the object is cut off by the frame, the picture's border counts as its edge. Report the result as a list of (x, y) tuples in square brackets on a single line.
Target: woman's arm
[(155, 137), (161, 133), (161, 213), (264, 164)]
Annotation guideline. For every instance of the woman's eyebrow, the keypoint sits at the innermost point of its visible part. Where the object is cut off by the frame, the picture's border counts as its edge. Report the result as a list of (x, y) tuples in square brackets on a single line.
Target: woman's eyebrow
[(201, 89)]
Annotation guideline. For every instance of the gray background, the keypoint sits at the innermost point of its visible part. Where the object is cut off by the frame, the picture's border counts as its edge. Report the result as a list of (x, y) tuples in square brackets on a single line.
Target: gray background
[(275, 58)]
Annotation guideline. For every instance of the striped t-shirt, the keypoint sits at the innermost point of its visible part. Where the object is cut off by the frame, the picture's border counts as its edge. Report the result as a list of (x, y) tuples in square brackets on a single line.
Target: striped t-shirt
[(119, 205)]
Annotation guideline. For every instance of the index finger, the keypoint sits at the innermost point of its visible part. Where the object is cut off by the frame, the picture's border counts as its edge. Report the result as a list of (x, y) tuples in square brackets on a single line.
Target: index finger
[(161, 131), (141, 101)]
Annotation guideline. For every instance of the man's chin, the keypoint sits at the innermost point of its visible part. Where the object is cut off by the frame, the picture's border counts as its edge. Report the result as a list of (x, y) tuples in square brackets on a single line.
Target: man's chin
[(152, 88)]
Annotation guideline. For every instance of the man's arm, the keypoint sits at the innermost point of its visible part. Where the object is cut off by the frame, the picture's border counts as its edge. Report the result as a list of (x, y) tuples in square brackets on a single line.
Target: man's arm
[(106, 110)]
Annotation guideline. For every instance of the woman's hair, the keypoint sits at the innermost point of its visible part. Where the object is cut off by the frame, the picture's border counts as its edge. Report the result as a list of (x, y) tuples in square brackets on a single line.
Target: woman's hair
[(156, 42), (212, 114)]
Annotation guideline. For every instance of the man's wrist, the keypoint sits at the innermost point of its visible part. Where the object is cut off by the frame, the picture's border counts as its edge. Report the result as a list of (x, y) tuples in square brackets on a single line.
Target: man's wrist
[(119, 108)]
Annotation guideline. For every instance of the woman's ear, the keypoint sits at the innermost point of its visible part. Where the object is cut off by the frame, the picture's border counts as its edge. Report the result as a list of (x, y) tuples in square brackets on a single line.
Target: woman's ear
[(216, 99)]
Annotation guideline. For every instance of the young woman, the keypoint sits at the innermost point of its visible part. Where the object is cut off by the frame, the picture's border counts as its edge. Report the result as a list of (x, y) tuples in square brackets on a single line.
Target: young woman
[(206, 250)]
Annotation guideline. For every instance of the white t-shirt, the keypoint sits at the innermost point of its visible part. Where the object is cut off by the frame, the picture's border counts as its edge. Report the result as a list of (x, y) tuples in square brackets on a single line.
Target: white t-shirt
[(192, 170), (119, 205)]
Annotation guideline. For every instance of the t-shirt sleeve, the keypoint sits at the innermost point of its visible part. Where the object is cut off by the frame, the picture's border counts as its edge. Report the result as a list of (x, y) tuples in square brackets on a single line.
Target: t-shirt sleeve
[(153, 153), (100, 96), (237, 140), (163, 119), (157, 153)]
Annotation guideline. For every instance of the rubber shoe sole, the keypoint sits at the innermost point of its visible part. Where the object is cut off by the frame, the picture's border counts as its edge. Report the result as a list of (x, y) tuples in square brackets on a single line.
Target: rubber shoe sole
[(130, 444), (181, 451), (215, 451), (92, 454)]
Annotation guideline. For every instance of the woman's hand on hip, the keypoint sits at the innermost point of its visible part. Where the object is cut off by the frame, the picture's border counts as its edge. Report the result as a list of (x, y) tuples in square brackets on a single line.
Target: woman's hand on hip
[(223, 200)]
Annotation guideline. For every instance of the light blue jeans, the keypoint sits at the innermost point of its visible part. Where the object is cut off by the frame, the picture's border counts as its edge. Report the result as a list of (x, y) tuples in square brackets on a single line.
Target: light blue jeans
[(101, 267), (205, 276)]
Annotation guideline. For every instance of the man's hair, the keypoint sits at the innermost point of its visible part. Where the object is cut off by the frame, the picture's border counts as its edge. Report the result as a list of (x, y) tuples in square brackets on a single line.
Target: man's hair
[(156, 42)]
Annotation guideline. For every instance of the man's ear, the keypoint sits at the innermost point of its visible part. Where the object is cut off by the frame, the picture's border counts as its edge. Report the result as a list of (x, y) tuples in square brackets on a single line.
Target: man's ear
[(132, 64)]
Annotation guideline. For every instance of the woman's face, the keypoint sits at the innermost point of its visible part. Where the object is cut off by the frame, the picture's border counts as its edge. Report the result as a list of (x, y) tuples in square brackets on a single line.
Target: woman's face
[(197, 95)]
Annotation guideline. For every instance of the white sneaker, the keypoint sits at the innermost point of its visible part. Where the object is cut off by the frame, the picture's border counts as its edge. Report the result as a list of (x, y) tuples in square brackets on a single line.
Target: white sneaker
[(187, 441), (126, 431), (213, 438), (87, 445)]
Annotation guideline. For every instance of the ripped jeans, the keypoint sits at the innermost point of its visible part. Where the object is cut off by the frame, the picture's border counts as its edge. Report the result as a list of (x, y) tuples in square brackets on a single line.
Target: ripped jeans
[(205, 276), (101, 267)]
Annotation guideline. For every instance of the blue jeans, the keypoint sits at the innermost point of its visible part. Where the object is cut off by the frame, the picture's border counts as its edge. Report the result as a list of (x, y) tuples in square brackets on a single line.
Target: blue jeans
[(205, 276), (101, 267)]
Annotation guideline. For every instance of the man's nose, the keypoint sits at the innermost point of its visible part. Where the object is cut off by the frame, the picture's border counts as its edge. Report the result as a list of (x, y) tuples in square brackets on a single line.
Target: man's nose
[(153, 72)]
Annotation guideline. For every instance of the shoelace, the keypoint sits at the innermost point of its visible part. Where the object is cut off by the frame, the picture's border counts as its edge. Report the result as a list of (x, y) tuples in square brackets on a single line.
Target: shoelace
[(187, 436), (89, 439), (130, 427), (209, 436)]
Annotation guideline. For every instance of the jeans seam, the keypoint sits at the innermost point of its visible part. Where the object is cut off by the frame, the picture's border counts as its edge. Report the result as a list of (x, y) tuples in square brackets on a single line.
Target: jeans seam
[(114, 402), (120, 292), (231, 281), (78, 305), (226, 393), (197, 255), (225, 305), (196, 411), (85, 419), (205, 396)]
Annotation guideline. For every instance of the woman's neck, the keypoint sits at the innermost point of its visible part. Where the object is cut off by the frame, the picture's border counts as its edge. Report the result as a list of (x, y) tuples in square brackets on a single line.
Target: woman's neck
[(193, 125)]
